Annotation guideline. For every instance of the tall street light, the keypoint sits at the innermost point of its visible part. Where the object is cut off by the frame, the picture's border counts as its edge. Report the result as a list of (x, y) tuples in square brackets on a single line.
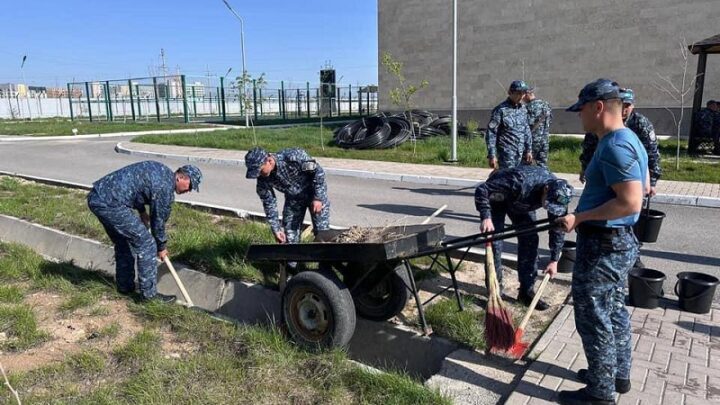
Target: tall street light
[(242, 44), (27, 88), (453, 153)]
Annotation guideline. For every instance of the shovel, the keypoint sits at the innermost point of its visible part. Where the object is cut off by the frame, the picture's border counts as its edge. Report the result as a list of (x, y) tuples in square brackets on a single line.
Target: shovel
[(181, 286)]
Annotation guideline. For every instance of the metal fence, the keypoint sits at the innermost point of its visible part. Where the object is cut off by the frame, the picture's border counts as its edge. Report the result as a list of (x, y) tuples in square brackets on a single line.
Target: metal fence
[(211, 98)]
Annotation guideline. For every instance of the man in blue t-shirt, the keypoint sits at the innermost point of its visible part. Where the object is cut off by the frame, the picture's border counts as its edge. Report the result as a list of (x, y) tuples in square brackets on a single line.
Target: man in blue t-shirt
[(616, 180)]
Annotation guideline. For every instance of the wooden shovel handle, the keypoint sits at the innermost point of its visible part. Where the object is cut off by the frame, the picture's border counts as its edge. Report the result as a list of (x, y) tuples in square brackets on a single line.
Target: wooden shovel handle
[(535, 300), (179, 283)]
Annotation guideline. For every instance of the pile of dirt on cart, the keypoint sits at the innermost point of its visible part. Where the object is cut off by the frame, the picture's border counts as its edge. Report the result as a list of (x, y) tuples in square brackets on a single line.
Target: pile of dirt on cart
[(358, 234)]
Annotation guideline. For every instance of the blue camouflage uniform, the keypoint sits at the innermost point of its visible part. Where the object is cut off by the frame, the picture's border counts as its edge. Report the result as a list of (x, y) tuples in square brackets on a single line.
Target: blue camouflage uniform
[(508, 135), (643, 128), (301, 179), (540, 118), (517, 193), (704, 120), (117, 198), (707, 125), (606, 250)]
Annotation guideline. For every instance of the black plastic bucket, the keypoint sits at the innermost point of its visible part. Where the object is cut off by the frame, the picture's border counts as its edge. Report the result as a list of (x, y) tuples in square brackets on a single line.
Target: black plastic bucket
[(567, 258), (646, 287), (695, 291), (648, 225)]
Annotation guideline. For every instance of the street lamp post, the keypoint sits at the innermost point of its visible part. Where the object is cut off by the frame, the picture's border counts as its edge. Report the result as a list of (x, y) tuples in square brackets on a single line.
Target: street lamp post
[(27, 88), (453, 153), (242, 43)]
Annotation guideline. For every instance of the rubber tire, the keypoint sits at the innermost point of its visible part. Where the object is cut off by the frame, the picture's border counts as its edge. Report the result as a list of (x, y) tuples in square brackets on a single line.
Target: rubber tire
[(335, 296), (395, 284)]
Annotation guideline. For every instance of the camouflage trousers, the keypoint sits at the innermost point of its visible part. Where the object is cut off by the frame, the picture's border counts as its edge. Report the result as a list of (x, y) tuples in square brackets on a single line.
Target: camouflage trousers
[(509, 158), (294, 213), (541, 148), (131, 239), (601, 319), (527, 247)]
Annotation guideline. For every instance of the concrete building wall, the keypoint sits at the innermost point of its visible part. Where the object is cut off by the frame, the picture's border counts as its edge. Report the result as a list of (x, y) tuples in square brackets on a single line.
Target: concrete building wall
[(556, 45)]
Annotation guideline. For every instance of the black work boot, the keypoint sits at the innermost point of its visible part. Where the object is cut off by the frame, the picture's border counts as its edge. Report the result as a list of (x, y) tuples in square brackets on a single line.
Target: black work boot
[(161, 298), (622, 386), (581, 397), (526, 297)]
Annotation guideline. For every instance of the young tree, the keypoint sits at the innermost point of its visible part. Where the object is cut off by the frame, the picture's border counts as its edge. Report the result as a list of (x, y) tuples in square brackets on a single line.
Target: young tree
[(678, 91), (403, 95)]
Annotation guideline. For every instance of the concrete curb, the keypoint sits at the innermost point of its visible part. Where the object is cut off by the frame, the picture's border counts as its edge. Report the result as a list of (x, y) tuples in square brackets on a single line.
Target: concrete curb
[(379, 344), (112, 135), (674, 199)]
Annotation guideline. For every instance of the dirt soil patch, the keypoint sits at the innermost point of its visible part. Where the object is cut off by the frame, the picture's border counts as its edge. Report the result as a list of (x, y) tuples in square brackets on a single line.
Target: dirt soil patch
[(357, 234), (82, 329)]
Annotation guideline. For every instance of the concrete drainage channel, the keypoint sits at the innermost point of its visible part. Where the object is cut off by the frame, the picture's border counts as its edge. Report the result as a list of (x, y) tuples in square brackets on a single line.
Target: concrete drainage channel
[(465, 375)]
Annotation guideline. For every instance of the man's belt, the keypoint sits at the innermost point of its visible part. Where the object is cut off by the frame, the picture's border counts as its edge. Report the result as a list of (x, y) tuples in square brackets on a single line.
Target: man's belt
[(588, 229)]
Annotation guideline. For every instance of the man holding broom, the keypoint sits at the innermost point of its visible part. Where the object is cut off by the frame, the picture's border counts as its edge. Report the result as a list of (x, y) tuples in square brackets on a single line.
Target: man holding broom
[(617, 177), (517, 193)]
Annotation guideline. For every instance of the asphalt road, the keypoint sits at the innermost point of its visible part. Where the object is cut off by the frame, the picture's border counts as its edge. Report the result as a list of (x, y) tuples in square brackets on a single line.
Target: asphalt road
[(689, 240)]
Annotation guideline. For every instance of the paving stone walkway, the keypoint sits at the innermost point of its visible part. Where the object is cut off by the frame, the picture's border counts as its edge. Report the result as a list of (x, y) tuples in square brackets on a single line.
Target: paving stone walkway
[(676, 359)]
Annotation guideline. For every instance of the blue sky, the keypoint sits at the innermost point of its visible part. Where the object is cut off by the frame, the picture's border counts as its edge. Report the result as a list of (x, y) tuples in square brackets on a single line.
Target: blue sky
[(111, 39)]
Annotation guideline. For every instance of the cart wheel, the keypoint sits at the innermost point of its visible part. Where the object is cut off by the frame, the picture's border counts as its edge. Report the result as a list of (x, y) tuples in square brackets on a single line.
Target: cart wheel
[(386, 299), (318, 310)]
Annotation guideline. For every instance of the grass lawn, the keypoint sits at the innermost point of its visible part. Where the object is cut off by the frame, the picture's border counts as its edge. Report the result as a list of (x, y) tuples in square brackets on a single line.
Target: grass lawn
[(158, 353), (564, 151), (63, 127)]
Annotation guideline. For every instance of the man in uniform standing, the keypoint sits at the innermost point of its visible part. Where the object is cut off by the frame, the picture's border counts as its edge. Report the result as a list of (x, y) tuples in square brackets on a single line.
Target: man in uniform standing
[(114, 200), (508, 138), (617, 177), (517, 193), (707, 124), (642, 127), (293, 172), (539, 118)]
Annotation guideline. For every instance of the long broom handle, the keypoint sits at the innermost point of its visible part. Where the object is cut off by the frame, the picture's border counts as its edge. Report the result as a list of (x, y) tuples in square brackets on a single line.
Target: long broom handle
[(490, 269), (535, 300), (434, 214), (179, 283)]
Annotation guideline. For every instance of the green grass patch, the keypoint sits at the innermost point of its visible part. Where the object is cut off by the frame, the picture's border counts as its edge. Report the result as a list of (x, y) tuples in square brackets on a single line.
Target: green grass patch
[(143, 346), (466, 327), (64, 127), (11, 294), (109, 331), (563, 158), (19, 324), (99, 310), (231, 363), (215, 245), (80, 299)]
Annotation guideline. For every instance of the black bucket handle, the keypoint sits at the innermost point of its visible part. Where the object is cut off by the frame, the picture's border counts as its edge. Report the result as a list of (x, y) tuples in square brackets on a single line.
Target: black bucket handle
[(662, 292), (677, 286)]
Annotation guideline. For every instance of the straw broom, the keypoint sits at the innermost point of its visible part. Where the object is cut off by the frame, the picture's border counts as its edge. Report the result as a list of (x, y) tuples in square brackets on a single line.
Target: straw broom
[(499, 330)]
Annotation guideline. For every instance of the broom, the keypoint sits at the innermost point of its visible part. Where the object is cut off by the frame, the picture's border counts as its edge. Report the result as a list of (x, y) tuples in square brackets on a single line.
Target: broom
[(499, 330), (518, 348)]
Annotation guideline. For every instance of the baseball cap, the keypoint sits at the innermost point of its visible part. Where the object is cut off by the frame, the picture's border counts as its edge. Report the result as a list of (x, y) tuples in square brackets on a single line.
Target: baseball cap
[(558, 197), (254, 159), (600, 89), (195, 176), (627, 95), (520, 85)]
